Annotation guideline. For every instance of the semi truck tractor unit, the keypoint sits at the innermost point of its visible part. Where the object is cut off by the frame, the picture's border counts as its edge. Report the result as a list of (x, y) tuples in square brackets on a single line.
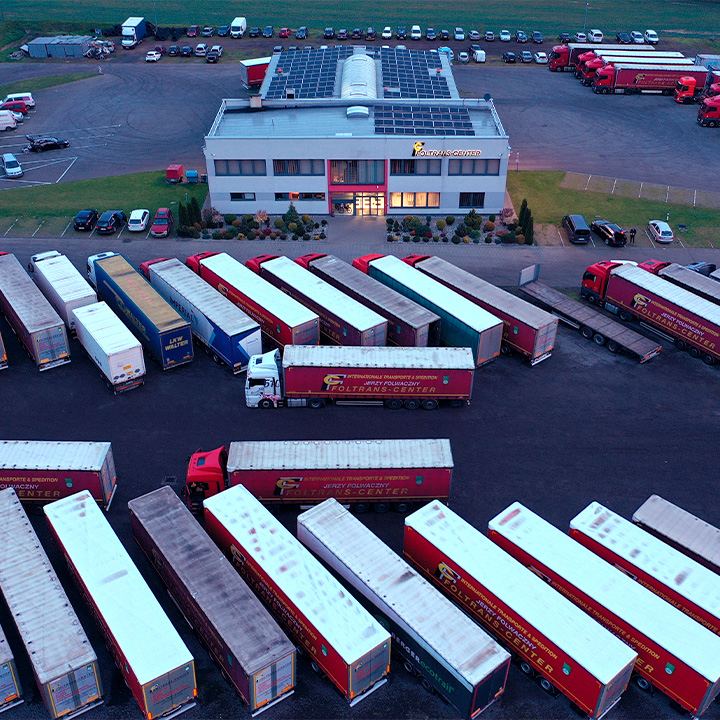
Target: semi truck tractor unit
[(339, 637), (366, 474), (433, 638), (234, 626), (565, 57), (709, 112), (409, 324), (283, 320), (64, 664), (690, 89), (395, 377), (676, 655), (551, 640), (343, 320), (628, 78), (683, 277), (690, 321), (154, 662)]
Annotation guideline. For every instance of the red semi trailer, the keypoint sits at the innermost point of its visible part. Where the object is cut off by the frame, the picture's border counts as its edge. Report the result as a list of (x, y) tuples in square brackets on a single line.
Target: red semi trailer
[(691, 322), (365, 473), (565, 57), (683, 277), (629, 78)]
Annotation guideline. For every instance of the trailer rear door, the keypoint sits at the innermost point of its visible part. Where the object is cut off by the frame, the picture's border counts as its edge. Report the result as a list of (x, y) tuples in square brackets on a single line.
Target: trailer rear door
[(369, 669), (51, 344)]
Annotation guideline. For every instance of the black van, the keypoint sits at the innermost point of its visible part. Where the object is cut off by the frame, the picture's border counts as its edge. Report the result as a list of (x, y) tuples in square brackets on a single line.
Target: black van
[(577, 228)]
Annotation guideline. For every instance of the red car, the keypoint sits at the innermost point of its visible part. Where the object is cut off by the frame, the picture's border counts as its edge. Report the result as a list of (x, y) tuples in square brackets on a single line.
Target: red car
[(284, 33), (193, 31), (162, 223)]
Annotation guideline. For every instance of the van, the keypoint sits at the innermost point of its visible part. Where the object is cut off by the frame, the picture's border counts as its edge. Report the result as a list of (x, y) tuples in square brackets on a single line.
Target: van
[(238, 27), (25, 97), (577, 228), (595, 36), (7, 120), (16, 105), (13, 169), (415, 33), (479, 56)]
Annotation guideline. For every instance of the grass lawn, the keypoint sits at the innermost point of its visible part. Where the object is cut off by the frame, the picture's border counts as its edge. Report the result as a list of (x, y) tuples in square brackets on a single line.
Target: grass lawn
[(35, 84), (549, 201)]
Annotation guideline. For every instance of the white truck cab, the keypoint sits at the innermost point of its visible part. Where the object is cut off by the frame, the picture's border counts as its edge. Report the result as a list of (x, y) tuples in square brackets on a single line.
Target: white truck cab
[(263, 385), (35, 259), (91, 265)]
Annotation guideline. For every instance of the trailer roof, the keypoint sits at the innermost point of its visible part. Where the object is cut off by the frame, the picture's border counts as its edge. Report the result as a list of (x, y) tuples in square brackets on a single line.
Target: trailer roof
[(108, 330), (658, 559), (139, 290), (657, 619), (221, 311), (668, 291), (435, 292), (347, 626), (399, 591), (686, 277), (52, 455), (45, 619), (415, 358), (145, 636), (324, 294), (680, 527), (65, 278), (393, 302), (549, 612), (334, 454), (686, 69), (472, 285), (260, 291), (30, 305), (226, 600)]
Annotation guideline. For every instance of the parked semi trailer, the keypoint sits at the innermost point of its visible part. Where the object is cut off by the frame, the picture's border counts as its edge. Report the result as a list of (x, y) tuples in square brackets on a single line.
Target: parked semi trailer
[(161, 330), (629, 79), (64, 664), (343, 320), (116, 352), (592, 324), (694, 537), (41, 471), (31, 317), (434, 639), (11, 694), (228, 334), (527, 330), (62, 284), (550, 639), (396, 377), (338, 635), (252, 72), (157, 667), (627, 53), (381, 474), (683, 277), (565, 57), (691, 322), (284, 321), (462, 323), (675, 654), (586, 71), (676, 578), (409, 324), (239, 633)]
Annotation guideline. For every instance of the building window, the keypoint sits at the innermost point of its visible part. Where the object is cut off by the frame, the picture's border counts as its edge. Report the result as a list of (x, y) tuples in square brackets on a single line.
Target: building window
[(240, 167), (472, 200), (300, 196), (298, 167), (407, 166), (415, 200), (357, 172), (471, 166), (242, 196)]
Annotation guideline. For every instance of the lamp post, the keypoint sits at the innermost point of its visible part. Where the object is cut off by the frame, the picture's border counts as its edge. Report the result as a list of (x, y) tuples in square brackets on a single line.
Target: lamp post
[(155, 13), (587, 2)]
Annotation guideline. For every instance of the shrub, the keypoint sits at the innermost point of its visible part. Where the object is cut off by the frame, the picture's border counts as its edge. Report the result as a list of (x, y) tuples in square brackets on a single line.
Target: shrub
[(450, 219), (444, 238), (292, 227), (283, 236), (511, 226), (183, 218), (396, 227), (195, 214), (467, 240), (461, 230), (389, 238), (247, 218), (279, 223), (520, 239), (436, 238), (529, 230), (389, 222), (488, 239), (217, 236), (508, 238), (266, 232), (230, 219), (317, 226), (489, 226), (426, 238), (306, 219), (416, 238), (291, 216), (456, 239), (196, 234), (322, 236), (229, 234), (523, 212), (476, 240), (474, 234), (241, 236), (295, 237), (491, 218), (473, 220), (440, 225), (406, 238), (323, 223)]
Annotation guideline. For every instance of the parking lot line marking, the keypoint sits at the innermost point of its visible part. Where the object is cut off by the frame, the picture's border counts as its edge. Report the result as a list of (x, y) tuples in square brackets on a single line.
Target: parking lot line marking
[(38, 228), (588, 182), (66, 171), (612, 192), (10, 228), (681, 242), (640, 193), (694, 197), (560, 236), (667, 193), (649, 236), (66, 229)]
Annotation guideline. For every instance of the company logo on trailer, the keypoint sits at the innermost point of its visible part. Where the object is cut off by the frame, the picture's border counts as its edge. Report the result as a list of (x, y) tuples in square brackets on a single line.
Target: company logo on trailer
[(330, 381), (447, 574), (284, 484), (238, 559), (640, 301)]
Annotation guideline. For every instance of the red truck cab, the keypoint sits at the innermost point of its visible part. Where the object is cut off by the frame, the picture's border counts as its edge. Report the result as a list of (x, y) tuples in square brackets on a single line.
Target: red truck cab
[(595, 279), (206, 476), (306, 260), (654, 266), (559, 57), (363, 263), (604, 79), (193, 262), (709, 112), (413, 260), (686, 90), (255, 263), (145, 267)]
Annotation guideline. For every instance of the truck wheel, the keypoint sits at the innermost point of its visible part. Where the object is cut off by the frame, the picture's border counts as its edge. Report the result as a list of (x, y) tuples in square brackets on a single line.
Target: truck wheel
[(599, 339), (360, 508), (612, 346), (402, 507), (412, 404), (426, 684), (586, 332), (546, 685), (429, 404), (381, 507), (393, 403), (265, 403), (216, 358), (505, 349), (712, 123), (408, 666), (680, 344), (643, 683), (590, 298), (526, 668), (693, 352), (315, 666), (625, 316), (708, 359), (316, 403)]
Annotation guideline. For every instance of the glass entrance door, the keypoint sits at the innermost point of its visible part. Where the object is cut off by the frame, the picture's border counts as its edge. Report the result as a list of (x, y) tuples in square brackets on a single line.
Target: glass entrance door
[(369, 204)]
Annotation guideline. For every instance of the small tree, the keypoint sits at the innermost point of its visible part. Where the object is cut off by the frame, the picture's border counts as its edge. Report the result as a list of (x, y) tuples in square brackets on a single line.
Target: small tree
[(261, 216), (529, 231), (491, 218), (183, 217), (440, 225), (291, 215), (473, 220), (195, 214), (523, 212)]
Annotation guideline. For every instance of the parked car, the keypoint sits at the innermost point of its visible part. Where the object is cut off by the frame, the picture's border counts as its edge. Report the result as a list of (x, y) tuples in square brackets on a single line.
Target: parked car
[(430, 34), (223, 31), (401, 33), (489, 36), (444, 50), (277, 49), (580, 37), (85, 219), (473, 35), (40, 143), (208, 31), (173, 50), (342, 34), (201, 50), (301, 33), (463, 57), (25, 97), (541, 58), (356, 34), (12, 167), (15, 106), (536, 36), (387, 33), (212, 57), (254, 32), (610, 233), (478, 56), (703, 268), (329, 33), (370, 34), (268, 32), (577, 229), (292, 48), (284, 33), (564, 37), (415, 33), (473, 47), (160, 49), (521, 36), (217, 49), (139, 220), (459, 34), (637, 37), (595, 36), (162, 223), (509, 57), (186, 51), (153, 56), (110, 221), (505, 36), (193, 31), (622, 37), (660, 231), (444, 34), (526, 56), (651, 37), (19, 117)]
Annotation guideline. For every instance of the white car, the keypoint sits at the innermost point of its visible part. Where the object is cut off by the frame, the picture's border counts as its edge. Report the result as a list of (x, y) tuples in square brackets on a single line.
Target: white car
[(595, 36), (540, 58), (637, 37), (505, 36), (217, 49), (415, 33), (463, 57), (139, 220), (459, 34), (201, 50), (387, 33), (660, 231), (580, 37), (651, 37), (153, 56)]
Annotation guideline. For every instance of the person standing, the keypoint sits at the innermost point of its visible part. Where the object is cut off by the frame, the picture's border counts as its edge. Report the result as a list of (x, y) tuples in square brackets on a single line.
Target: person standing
[(633, 232)]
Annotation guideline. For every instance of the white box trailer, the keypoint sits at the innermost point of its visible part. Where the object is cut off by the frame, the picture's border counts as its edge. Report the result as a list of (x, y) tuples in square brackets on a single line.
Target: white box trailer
[(434, 638), (339, 636), (64, 664), (62, 284), (10, 690), (116, 352), (222, 327), (234, 626), (675, 654), (156, 665), (552, 640)]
